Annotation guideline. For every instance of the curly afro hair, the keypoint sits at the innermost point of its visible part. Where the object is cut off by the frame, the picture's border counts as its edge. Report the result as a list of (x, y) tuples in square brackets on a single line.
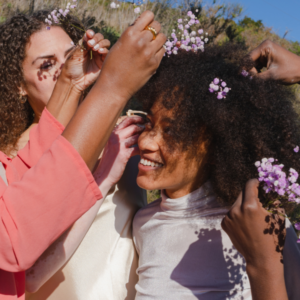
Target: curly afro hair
[(255, 120), (15, 117)]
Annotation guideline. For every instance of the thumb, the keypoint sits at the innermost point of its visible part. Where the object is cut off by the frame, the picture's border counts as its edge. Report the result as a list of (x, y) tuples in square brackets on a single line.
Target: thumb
[(266, 75)]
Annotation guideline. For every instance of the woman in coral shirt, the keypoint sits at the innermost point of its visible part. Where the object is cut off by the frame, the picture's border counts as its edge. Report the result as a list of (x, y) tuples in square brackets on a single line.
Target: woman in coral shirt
[(39, 56), (39, 201)]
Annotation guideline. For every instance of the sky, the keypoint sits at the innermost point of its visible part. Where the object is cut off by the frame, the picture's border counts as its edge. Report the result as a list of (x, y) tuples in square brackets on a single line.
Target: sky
[(281, 15)]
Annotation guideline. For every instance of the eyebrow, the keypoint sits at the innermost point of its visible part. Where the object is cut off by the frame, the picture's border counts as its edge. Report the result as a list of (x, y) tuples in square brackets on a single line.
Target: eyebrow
[(69, 50), (43, 57), (53, 55)]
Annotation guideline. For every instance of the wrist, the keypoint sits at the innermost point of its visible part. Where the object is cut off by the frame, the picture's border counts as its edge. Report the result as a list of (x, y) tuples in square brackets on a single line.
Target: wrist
[(116, 90), (104, 185), (64, 100), (273, 271)]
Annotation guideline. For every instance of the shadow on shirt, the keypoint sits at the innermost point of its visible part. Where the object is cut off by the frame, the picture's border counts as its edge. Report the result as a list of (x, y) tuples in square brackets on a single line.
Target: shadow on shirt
[(208, 270)]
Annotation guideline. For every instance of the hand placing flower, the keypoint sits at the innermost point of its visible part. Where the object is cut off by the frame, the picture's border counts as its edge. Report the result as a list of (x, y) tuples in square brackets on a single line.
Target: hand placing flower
[(80, 67), (121, 145)]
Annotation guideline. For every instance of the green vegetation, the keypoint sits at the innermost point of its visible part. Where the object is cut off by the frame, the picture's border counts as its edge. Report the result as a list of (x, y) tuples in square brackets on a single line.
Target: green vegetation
[(222, 22)]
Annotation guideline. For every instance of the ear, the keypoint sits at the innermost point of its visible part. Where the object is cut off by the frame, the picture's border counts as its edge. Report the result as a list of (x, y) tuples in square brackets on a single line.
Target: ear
[(22, 90)]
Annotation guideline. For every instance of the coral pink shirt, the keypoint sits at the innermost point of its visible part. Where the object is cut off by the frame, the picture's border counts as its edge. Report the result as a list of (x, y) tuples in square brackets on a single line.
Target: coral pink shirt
[(49, 188)]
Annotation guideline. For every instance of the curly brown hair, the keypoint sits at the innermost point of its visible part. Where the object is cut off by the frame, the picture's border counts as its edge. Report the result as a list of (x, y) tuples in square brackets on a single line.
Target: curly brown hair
[(15, 117), (256, 120)]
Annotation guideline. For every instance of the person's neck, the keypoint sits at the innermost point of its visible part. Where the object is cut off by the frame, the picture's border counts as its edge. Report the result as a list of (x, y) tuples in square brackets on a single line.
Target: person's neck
[(186, 188)]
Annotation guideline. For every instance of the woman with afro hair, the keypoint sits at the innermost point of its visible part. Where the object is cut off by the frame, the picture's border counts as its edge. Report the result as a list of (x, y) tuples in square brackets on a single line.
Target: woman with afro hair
[(200, 147)]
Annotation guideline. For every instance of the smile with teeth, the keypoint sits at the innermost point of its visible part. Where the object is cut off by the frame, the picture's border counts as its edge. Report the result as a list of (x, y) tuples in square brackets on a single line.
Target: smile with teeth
[(147, 162)]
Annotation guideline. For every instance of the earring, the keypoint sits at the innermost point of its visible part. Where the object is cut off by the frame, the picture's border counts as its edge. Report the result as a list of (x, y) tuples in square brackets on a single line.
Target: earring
[(22, 99)]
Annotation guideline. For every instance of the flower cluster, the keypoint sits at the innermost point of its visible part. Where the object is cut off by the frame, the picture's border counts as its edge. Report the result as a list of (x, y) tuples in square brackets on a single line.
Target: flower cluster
[(276, 180), (219, 87), (56, 14), (190, 37), (137, 6)]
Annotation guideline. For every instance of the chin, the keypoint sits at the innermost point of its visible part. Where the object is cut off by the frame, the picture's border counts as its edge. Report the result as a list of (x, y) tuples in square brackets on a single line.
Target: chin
[(146, 183)]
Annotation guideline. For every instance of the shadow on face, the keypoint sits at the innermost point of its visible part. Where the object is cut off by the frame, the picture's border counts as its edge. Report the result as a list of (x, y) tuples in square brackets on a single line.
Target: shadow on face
[(46, 53), (164, 164)]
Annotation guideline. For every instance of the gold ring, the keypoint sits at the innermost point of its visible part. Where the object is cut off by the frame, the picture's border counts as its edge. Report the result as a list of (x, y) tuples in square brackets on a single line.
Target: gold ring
[(153, 31)]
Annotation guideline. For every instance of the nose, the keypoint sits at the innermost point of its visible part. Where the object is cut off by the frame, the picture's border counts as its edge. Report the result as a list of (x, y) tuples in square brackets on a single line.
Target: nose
[(148, 142)]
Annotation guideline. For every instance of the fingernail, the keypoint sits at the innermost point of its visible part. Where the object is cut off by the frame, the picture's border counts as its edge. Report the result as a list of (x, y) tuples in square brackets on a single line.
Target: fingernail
[(101, 50), (92, 33), (91, 42), (141, 126), (96, 47)]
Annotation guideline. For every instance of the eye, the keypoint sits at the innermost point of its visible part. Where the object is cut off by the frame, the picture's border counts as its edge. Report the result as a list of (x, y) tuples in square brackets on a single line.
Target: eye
[(46, 66), (148, 124)]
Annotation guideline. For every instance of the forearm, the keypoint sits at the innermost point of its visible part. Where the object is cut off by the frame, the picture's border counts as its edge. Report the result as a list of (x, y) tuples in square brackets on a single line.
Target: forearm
[(267, 283), (64, 100), (60, 251), (94, 121)]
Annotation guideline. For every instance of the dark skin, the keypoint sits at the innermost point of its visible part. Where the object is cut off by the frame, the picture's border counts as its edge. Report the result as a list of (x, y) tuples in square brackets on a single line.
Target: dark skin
[(281, 64), (245, 224), (128, 66), (246, 221)]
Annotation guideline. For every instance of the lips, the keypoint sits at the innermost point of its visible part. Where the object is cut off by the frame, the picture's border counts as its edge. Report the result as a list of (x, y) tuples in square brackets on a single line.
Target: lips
[(147, 162)]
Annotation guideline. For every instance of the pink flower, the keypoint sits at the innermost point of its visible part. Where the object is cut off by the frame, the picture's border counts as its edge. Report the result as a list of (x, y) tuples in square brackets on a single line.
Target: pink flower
[(220, 96), (216, 81), (200, 31), (245, 73), (189, 13), (297, 226), (296, 149), (137, 10), (179, 20)]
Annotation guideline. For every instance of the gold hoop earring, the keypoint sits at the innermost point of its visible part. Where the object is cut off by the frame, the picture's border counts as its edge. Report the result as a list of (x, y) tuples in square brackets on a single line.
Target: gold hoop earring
[(23, 99)]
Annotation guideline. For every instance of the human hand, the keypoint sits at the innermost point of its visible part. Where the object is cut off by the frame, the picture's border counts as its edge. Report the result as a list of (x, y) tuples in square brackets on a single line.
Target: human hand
[(82, 68), (257, 234), (134, 58), (120, 147), (282, 65)]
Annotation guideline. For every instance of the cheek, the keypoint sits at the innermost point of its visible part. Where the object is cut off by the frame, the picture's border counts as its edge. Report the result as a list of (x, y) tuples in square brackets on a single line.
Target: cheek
[(40, 86)]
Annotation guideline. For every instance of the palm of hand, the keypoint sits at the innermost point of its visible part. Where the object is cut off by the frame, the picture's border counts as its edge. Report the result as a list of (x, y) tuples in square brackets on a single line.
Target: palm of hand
[(82, 69)]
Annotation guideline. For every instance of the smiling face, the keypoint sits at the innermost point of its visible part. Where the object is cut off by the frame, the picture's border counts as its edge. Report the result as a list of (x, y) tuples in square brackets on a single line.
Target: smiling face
[(46, 53), (163, 167)]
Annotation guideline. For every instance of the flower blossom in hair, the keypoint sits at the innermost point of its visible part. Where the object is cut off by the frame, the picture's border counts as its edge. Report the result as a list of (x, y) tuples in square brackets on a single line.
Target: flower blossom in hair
[(275, 179), (55, 15), (219, 87), (244, 73), (189, 37)]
